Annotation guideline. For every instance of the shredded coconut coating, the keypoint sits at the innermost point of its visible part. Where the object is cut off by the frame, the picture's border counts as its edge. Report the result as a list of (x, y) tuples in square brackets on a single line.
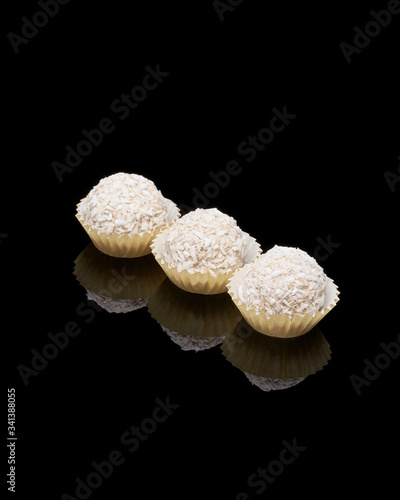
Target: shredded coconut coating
[(204, 240), (116, 305), (284, 280), (273, 384), (124, 204), (190, 343)]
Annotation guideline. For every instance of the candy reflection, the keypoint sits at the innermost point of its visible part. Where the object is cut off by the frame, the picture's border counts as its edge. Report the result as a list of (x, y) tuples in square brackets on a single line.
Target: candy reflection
[(117, 284), (272, 363), (194, 322)]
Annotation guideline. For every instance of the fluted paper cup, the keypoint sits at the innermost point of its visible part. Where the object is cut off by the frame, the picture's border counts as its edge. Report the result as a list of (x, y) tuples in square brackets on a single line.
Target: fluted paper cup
[(282, 325), (125, 246), (202, 283)]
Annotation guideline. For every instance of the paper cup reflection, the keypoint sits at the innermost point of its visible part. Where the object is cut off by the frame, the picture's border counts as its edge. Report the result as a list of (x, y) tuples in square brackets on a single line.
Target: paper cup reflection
[(194, 322), (117, 284), (273, 363)]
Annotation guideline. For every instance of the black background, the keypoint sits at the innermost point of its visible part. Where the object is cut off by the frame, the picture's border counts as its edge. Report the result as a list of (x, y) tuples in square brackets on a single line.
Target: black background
[(323, 176)]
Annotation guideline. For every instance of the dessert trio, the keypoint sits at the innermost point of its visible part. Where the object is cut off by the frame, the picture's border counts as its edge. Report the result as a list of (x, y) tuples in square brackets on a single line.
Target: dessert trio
[(283, 292)]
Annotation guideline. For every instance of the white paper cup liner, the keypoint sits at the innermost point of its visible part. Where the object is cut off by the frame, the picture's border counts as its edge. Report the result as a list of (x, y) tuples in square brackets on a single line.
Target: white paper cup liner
[(282, 325), (125, 246)]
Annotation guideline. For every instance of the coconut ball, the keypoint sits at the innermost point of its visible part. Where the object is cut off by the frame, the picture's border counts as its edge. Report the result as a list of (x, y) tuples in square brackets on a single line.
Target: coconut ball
[(283, 281), (124, 204), (204, 240)]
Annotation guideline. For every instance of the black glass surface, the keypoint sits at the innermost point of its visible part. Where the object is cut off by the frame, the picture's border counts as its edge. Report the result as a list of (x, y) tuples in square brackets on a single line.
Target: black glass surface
[(121, 384)]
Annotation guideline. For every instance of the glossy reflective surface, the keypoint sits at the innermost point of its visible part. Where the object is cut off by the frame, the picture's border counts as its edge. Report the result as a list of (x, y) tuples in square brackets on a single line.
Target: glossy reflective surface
[(199, 322), (126, 387)]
